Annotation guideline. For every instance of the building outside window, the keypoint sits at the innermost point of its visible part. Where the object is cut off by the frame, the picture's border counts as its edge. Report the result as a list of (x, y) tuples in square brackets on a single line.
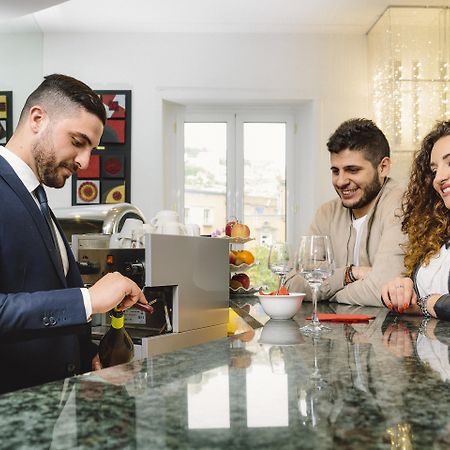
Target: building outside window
[(235, 166)]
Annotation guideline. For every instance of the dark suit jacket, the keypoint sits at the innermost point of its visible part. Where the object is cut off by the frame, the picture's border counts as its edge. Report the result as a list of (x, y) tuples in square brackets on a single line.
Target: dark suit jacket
[(43, 331)]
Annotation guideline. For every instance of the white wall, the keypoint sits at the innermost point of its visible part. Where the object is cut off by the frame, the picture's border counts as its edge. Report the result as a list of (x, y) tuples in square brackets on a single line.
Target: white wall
[(328, 70), (21, 71)]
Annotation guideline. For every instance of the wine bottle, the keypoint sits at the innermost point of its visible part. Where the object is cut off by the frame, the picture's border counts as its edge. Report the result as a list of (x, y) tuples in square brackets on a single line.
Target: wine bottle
[(116, 346)]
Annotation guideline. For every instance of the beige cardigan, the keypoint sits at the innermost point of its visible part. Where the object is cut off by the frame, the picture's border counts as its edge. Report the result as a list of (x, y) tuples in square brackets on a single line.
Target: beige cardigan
[(380, 248)]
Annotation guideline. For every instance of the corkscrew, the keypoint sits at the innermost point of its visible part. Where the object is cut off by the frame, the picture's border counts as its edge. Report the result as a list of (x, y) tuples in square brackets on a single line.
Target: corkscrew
[(146, 308)]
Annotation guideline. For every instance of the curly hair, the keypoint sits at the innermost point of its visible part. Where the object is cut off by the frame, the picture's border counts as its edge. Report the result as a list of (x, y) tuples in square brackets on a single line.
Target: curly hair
[(362, 135), (425, 216)]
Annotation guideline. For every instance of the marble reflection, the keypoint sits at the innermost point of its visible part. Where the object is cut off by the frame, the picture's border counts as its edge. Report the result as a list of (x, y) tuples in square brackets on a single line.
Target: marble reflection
[(382, 384)]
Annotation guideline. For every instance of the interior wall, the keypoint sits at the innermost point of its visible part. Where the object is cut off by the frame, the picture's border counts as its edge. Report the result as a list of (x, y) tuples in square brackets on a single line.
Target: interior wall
[(21, 71), (328, 70)]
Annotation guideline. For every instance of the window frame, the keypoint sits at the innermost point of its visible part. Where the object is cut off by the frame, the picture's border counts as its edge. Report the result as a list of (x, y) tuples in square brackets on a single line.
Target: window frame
[(235, 118)]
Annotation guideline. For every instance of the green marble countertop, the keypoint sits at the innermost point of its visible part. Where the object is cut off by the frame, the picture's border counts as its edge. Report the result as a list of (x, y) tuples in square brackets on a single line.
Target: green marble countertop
[(375, 385)]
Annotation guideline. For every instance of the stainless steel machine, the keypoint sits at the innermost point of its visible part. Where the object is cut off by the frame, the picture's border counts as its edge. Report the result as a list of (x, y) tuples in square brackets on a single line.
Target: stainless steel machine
[(184, 277), (96, 219)]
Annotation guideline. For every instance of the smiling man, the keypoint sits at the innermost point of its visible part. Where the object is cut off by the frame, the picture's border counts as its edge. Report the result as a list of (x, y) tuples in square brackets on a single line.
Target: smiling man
[(363, 222)]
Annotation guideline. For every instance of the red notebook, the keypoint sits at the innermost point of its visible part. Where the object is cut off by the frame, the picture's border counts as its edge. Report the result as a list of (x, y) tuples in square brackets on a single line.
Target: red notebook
[(343, 317)]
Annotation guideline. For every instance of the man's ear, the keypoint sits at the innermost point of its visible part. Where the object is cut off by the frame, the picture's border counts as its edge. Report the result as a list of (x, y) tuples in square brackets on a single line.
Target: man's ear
[(37, 119), (384, 167)]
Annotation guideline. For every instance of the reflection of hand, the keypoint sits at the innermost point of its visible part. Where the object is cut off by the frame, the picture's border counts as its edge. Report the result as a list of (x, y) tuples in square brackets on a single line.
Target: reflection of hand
[(119, 375), (398, 340), (398, 294)]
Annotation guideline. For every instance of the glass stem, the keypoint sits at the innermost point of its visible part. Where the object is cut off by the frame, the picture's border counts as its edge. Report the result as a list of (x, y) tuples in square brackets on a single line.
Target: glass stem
[(316, 368), (315, 295)]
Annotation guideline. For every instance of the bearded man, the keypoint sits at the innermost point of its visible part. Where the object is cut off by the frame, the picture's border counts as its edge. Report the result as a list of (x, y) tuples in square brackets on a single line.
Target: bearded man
[(45, 312), (363, 223)]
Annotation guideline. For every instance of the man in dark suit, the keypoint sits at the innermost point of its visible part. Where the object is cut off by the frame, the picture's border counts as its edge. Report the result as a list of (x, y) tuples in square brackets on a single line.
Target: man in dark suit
[(45, 312)]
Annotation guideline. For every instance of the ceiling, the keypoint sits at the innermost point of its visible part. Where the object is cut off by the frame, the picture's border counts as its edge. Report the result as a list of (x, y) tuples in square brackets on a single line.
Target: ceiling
[(208, 16)]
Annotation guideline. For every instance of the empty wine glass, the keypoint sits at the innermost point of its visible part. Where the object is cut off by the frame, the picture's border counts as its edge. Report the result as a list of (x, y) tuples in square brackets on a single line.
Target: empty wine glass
[(315, 263), (280, 261)]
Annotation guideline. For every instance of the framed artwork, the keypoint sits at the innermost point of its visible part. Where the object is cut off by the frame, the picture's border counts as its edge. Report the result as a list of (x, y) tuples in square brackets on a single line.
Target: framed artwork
[(88, 191), (6, 124), (107, 179)]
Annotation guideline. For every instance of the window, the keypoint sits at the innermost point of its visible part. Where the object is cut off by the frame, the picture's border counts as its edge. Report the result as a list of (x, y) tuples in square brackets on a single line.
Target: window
[(235, 166), (207, 217), (205, 174)]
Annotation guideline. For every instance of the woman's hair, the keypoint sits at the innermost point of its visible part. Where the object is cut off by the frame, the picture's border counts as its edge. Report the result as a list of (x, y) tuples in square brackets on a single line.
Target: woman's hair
[(425, 216)]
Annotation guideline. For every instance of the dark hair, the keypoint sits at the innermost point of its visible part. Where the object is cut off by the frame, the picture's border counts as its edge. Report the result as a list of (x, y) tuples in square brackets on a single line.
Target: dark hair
[(362, 135), (57, 91), (425, 216)]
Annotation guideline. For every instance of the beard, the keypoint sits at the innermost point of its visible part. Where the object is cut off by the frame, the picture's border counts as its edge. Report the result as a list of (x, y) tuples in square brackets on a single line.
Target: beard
[(369, 193), (44, 155)]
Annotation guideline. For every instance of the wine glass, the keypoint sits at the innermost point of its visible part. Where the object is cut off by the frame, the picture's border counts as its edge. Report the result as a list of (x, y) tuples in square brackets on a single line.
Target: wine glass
[(315, 263), (280, 261)]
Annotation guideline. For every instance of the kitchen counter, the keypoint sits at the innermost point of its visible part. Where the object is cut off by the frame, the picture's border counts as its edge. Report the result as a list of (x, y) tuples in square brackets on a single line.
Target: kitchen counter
[(381, 384)]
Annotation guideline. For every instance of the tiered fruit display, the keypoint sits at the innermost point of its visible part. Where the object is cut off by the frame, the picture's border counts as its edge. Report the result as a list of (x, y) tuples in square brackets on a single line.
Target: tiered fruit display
[(239, 259), (236, 229)]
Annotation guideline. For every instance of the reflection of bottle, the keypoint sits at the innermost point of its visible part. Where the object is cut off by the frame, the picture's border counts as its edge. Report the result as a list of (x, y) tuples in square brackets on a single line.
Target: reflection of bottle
[(116, 346)]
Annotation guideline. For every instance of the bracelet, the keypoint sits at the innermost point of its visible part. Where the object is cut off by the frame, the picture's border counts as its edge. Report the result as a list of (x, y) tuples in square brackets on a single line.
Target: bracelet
[(349, 277), (423, 326), (350, 272), (422, 301)]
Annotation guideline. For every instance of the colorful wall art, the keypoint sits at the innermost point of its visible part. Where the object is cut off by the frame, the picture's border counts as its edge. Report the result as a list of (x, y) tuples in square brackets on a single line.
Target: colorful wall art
[(107, 179), (6, 124)]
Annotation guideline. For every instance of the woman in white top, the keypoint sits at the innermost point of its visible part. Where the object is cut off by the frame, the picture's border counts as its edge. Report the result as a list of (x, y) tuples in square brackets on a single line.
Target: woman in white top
[(426, 222)]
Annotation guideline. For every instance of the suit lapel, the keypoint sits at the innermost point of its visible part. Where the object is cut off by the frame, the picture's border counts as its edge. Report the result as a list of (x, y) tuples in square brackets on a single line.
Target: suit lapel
[(11, 178)]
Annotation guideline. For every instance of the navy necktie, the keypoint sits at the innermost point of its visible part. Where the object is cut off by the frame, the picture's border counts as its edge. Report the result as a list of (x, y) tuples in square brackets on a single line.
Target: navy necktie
[(45, 210)]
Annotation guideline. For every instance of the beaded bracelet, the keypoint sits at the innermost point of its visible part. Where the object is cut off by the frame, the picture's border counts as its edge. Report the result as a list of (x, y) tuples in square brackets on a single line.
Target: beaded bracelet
[(423, 305), (423, 326), (350, 272), (349, 277)]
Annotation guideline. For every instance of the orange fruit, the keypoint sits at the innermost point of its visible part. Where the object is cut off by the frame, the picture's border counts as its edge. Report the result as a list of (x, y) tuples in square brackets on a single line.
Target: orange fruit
[(245, 256)]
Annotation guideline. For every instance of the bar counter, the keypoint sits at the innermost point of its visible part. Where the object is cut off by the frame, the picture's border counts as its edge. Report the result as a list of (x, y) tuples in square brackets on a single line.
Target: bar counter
[(375, 385)]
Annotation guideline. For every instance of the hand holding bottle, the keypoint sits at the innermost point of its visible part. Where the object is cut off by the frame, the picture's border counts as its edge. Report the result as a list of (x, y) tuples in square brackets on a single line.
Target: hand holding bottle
[(115, 290)]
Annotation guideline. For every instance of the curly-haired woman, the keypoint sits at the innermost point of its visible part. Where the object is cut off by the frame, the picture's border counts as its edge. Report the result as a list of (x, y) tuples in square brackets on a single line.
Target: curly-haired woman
[(426, 221)]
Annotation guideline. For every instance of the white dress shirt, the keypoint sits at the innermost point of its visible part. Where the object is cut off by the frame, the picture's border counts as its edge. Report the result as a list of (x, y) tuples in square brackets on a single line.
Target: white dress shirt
[(29, 179)]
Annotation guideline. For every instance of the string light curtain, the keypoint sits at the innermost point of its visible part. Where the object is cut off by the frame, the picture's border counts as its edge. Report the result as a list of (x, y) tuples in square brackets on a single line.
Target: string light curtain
[(409, 57)]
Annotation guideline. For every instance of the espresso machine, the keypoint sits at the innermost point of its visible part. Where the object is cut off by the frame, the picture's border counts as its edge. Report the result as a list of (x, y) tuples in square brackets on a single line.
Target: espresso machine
[(184, 278)]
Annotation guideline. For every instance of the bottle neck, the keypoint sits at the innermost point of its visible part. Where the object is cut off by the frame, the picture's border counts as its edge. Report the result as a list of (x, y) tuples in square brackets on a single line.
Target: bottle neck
[(117, 319)]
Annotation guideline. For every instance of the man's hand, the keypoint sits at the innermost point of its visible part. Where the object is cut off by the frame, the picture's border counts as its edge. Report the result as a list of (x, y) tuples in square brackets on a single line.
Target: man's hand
[(361, 272), (115, 290)]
